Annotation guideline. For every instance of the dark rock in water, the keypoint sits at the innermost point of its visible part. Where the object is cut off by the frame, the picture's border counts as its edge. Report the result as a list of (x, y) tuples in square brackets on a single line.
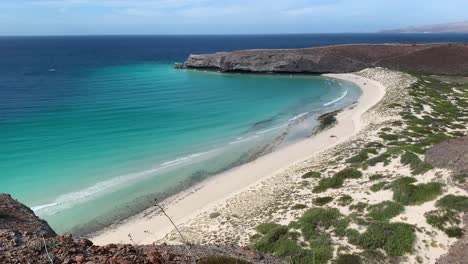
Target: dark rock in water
[(24, 238), (326, 120), (436, 58), (179, 66)]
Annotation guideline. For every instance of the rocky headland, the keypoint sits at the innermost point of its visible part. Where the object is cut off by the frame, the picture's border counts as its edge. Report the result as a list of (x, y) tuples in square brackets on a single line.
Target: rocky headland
[(436, 58), (25, 238)]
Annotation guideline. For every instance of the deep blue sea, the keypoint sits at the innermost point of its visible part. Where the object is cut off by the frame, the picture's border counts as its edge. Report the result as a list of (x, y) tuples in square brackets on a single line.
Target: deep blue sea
[(92, 128)]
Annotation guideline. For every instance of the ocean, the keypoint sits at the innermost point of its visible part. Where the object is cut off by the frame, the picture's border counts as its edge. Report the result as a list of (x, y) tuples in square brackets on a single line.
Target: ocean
[(93, 128)]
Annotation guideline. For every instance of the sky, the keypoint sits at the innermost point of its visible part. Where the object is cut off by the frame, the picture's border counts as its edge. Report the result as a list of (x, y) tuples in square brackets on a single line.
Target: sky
[(96, 17)]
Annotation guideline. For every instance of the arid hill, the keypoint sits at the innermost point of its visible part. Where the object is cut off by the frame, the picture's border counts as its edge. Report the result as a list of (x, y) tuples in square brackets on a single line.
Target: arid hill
[(435, 58), (455, 27), (24, 238)]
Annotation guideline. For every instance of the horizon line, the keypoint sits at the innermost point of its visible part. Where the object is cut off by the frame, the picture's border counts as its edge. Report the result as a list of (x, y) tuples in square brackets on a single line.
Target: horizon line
[(234, 34)]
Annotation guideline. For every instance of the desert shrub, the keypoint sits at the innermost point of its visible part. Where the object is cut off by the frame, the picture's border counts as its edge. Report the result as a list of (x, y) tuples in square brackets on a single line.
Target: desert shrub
[(318, 217), (442, 218), (327, 183), (337, 180), (454, 202), (267, 243), (311, 174), (221, 260), (320, 201), (353, 236), (454, 231), (358, 158), (416, 164), (359, 207), (298, 206), (378, 186), (215, 214), (382, 158), (349, 173), (385, 210), (376, 177), (389, 137), (344, 200), (411, 194), (395, 238), (348, 259), (266, 227)]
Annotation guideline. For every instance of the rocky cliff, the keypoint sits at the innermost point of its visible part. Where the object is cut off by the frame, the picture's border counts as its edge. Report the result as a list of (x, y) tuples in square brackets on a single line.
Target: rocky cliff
[(436, 58), (24, 238)]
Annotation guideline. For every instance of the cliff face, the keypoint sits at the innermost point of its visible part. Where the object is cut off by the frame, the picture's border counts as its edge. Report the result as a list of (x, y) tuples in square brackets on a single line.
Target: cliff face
[(24, 238), (436, 58)]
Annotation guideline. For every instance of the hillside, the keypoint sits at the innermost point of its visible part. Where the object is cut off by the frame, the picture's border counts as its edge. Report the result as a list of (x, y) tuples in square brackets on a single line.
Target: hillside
[(436, 58), (24, 238), (456, 27)]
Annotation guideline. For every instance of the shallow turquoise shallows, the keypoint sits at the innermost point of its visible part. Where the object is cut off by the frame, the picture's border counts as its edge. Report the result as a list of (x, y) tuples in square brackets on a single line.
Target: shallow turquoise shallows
[(122, 135)]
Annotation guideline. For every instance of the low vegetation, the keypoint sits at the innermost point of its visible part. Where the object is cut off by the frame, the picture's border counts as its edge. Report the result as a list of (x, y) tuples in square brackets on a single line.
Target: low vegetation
[(407, 193), (385, 210), (395, 239), (432, 115), (221, 260), (277, 239), (446, 220), (344, 200), (337, 180), (378, 186), (454, 202), (320, 201), (311, 174)]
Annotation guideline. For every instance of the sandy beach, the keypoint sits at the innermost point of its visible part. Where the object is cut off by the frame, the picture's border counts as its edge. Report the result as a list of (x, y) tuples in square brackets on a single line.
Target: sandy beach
[(150, 226)]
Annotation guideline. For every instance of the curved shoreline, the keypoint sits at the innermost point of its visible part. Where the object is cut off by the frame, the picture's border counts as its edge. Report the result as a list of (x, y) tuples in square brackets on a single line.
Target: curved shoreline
[(204, 196)]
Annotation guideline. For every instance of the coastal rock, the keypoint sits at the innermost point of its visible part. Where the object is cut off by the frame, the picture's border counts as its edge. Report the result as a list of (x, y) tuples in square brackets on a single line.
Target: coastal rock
[(437, 58)]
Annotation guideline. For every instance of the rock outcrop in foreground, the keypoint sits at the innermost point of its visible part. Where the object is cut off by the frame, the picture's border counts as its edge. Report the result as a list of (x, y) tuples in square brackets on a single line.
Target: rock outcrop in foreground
[(24, 238), (436, 58)]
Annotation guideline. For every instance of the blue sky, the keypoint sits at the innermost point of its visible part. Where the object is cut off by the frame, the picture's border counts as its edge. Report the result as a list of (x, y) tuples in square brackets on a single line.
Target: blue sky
[(70, 17)]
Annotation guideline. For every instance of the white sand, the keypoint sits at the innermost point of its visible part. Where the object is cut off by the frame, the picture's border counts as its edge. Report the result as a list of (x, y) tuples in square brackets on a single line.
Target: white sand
[(217, 189)]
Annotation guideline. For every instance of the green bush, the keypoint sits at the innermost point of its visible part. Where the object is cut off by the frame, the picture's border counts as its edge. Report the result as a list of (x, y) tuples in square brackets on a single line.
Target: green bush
[(382, 158), (266, 227), (358, 158), (378, 186), (320, 201), (299, 206), (385, 210), (345, 200), (442, 218), (315, 217), (411, 194), (349, 173), (416, 164), (389, 137), (311, 174), (337, 180), (454, 202), (454, 231), (221, 260), (353, 236), (395, 238), (376, 177), (348, 259), (359, 207)]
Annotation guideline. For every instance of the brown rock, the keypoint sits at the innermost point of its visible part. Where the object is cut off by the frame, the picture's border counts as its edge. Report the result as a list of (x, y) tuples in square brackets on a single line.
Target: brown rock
[(79, 259)]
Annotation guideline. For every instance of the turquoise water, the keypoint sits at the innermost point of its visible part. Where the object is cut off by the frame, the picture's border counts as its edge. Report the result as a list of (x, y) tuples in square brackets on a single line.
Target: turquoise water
[(122, 135)]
